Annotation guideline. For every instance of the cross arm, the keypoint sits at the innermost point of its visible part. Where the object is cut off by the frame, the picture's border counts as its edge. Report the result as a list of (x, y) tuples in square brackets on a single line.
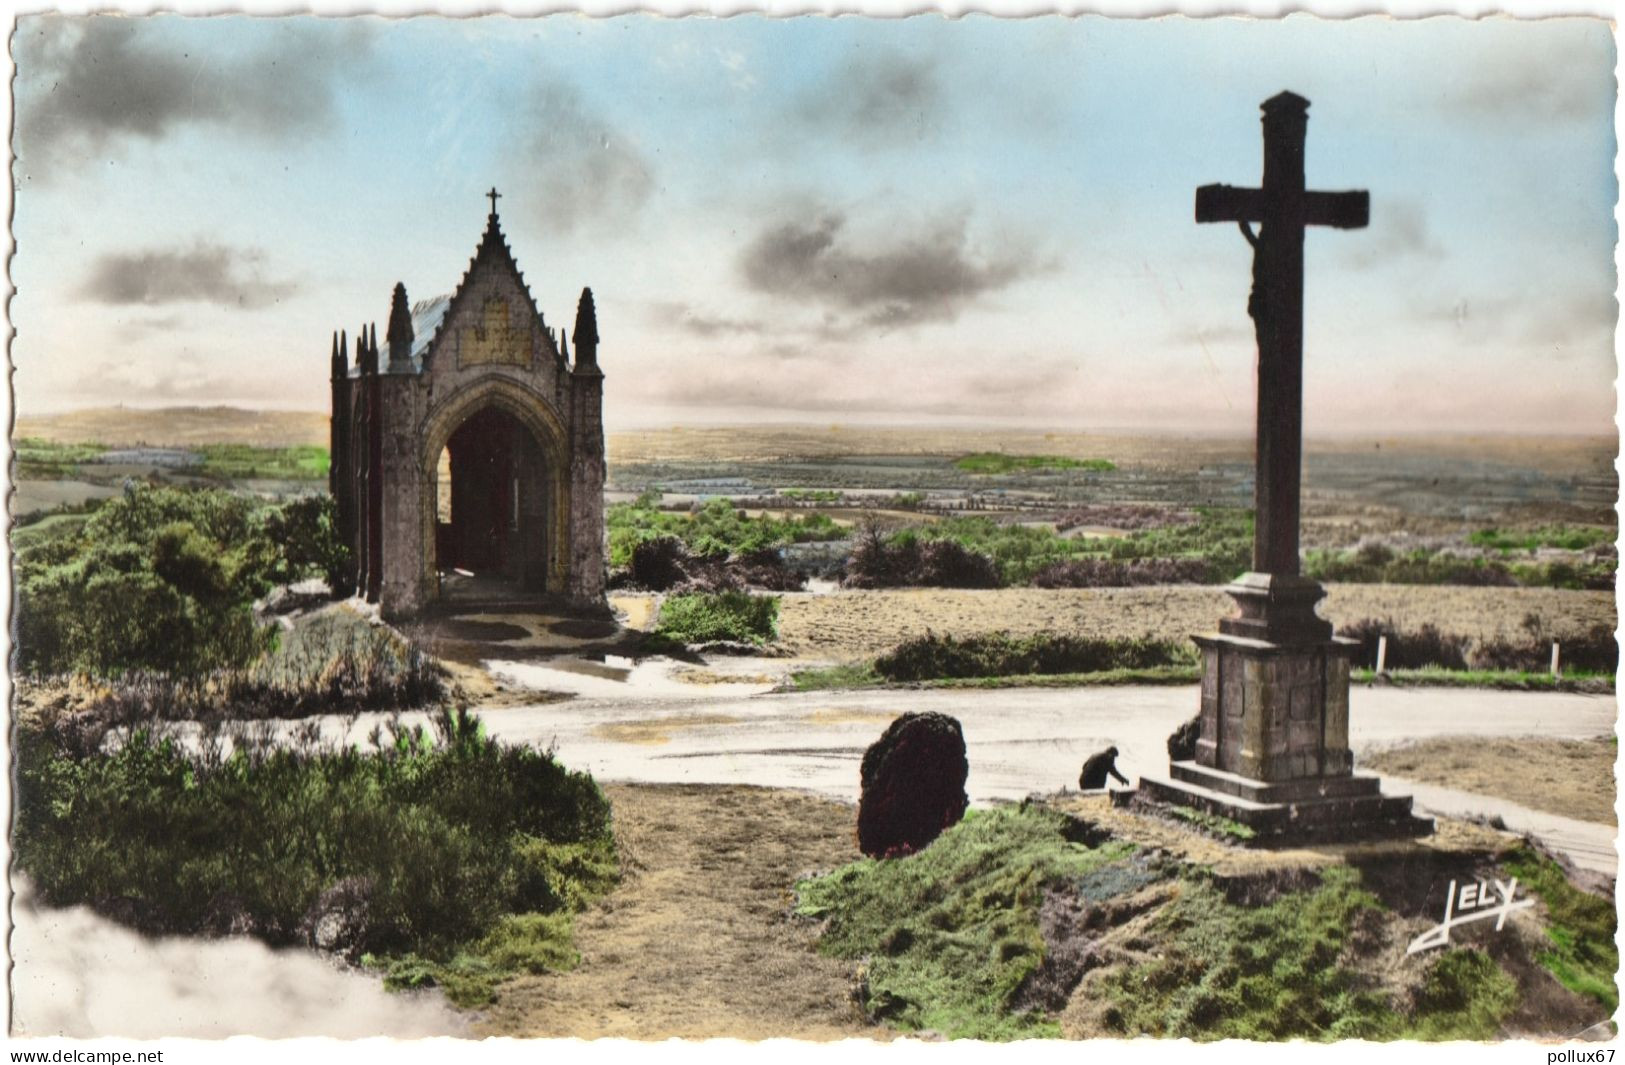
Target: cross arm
[(1226, 203), (1341, 210)]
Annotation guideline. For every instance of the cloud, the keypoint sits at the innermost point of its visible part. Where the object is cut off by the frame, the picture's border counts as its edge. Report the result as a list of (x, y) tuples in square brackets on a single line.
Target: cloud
[(583, 170), (203, 273), (687, 319), (929, 277), (141, 327), (89, 85), (832, 381), (1562, 325), (1398, 230), (878, 97), (1560, 75)]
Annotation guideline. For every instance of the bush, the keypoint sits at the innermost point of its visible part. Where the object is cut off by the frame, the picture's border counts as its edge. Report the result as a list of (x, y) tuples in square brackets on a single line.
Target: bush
[(665, 564), (658, 564), (909, 560), (439, 836), (717, 528), (736, 616), (932, 657), (1213, 546), (1595, 651), (1113, 573), (1416, 649), (163, 579)]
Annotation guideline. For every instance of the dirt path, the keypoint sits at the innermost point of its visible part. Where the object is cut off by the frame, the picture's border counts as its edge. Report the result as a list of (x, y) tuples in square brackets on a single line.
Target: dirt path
[(697, 940), (1571, 778)]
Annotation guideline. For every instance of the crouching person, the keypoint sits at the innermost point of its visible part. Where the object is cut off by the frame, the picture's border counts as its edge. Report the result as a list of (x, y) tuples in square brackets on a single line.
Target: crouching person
[(1097, 768)]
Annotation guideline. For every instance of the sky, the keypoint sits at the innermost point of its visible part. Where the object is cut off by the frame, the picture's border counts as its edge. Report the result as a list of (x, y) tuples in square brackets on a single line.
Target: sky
[(920, 220)]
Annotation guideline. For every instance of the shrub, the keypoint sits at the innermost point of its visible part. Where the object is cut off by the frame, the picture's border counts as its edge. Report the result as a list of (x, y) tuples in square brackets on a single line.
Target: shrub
[(717, 528), (932, 657), (1416, 649), (1595, 651), (1113, 573), (911, 560), (733, 615), (441, 836), (657, 564), (163, 579), (665, 564)]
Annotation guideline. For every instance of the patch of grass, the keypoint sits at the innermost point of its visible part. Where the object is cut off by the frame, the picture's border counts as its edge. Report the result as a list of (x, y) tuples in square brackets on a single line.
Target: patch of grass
[(1100, 678), (47, 529), (1583, 957), (737, 616), (1464, 995), (1274, 972), (951, 932), (995, 462), (520, 943), (812, 495), (1376, 564), (244, 461), (1510, 680), (1562, 536), (863, 675), (932, 657), (1219, 826), (46, 460), (828, 678), (462, 848)]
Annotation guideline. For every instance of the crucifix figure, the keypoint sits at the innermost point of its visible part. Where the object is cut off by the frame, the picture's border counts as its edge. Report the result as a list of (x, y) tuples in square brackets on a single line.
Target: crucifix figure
[(493, 196), (1276, 602)]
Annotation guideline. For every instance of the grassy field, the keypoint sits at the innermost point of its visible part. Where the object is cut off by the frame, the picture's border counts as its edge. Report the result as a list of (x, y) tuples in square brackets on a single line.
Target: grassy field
[(997, 462)]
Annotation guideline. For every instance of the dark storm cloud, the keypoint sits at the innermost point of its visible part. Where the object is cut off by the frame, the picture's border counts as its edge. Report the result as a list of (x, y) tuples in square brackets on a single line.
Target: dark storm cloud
[(877, 97), (930, 277), (89, 84), (202, 273), (581, 168)]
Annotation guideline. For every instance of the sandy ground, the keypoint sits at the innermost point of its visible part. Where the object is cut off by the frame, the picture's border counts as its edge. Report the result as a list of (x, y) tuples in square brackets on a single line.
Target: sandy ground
[(698, 939), (850, 624), (1574, 778)]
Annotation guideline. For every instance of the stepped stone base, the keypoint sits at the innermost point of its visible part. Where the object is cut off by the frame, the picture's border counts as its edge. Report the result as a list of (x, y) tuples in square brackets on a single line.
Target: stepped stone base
[(1306, 810)]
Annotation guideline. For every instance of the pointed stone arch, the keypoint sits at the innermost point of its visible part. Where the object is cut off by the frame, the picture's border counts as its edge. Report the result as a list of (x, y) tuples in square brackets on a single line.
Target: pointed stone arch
[(532, 411)]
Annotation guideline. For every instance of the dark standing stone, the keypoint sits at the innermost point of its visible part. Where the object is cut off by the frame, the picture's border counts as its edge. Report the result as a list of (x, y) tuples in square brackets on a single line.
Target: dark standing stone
[(913, 785), (1182, 741)]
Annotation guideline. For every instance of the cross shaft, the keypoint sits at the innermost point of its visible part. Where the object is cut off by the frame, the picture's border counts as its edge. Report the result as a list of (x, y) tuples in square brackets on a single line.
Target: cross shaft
[(1283, 208)]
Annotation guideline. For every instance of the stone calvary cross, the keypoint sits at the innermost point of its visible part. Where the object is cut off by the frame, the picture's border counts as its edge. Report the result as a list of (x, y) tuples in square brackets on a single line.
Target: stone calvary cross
[(1275, 602), (1272, 750)]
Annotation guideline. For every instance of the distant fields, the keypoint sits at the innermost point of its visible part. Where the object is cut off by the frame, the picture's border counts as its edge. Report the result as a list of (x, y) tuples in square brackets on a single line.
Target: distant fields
[(46, 460), (995, 462)]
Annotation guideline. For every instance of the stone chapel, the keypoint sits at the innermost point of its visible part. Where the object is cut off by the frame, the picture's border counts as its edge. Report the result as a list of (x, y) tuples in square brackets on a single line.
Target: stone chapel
[(468, 451)]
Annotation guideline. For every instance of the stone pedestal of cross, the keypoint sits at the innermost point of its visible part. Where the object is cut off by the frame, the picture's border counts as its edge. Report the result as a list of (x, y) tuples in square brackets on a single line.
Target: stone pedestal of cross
[(1273, 750)]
